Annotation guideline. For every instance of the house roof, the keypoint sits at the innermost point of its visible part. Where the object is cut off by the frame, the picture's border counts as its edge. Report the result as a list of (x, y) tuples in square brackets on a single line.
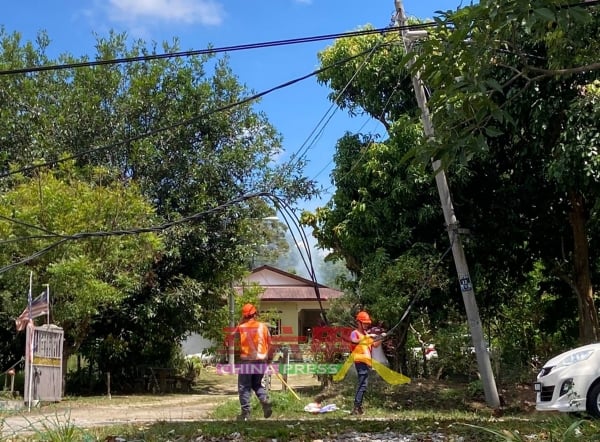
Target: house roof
[(284, 286)]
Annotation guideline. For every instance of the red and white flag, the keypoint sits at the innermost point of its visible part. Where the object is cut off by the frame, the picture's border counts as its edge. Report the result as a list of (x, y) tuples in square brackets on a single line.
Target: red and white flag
[(38, 307)]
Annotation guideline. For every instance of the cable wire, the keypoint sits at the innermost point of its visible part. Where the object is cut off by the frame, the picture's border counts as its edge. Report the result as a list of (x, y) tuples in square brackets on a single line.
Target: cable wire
[(417, 26), (241, 47), (248, 46), (130, 231), (181, 123), (283, 207), (303, 151), (23, 223)]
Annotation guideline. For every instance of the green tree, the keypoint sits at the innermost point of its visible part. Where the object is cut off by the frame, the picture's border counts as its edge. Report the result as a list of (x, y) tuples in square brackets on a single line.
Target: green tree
[(183, 130), (380, 222), (85, 275), (513, 88), (502, 192)]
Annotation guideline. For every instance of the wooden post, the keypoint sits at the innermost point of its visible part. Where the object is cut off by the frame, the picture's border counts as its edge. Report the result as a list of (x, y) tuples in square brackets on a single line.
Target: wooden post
[(11, 373), (286, 358)]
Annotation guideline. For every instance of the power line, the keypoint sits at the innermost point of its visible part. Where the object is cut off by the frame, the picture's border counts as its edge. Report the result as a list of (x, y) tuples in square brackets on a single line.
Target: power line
[(417, 26), (188, 54), (120, 232), (280, 204), (303, 150), (26, 224), (240, 47), (248, 46), (180, 123), (285, 209)]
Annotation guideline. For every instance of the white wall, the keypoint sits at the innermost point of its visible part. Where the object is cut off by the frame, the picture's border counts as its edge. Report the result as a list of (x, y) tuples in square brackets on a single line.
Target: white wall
[(195, 343)]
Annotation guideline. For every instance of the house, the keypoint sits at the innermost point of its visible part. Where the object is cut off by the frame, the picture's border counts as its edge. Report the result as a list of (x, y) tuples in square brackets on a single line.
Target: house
[(293, 297)]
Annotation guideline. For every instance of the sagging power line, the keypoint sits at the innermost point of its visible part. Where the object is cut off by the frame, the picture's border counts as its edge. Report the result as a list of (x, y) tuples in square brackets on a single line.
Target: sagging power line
[(182, 122), (208, 51)]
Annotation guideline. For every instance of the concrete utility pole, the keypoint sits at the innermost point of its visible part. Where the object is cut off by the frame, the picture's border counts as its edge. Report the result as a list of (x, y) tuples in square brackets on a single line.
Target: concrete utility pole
[(231, 346), (466, 287)]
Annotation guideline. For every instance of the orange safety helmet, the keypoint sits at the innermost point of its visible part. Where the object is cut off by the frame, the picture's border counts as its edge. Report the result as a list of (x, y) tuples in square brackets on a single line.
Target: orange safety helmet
[(363, 317), (248, 310)]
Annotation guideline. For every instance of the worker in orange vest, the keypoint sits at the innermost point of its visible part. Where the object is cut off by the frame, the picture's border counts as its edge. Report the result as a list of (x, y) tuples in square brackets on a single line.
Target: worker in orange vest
[(255, 355), (362, 345)]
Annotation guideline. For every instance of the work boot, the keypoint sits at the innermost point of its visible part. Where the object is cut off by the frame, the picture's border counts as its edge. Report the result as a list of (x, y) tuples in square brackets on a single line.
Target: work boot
[(245, 416), (267, 409), (357, 411)]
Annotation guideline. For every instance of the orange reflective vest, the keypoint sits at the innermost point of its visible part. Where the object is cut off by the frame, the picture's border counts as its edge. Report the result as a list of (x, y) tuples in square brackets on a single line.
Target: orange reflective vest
[(361, 349), (255, 340)]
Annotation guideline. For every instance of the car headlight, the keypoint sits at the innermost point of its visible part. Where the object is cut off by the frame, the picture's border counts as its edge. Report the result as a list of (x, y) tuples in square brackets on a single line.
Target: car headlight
[(575, 358)]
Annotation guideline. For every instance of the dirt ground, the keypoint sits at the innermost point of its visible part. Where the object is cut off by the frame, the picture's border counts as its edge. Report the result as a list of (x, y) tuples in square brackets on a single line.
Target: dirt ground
[(87, 413)]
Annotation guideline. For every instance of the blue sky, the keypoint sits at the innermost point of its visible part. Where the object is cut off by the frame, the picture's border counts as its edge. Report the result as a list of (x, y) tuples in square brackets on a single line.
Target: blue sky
[(295, 111)]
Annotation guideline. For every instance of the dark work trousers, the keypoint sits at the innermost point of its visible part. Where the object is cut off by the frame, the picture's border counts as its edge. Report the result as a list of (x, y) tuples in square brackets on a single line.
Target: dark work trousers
[(362, 370), (248, 383)]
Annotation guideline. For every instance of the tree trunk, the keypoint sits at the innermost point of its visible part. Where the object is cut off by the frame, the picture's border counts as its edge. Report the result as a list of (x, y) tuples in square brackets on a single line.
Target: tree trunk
[(65, 358), (400, 362), (588, 316)]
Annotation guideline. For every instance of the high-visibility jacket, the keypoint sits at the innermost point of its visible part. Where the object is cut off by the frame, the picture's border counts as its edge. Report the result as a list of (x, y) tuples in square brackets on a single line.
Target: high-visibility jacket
[(361, 347), (255, 340)]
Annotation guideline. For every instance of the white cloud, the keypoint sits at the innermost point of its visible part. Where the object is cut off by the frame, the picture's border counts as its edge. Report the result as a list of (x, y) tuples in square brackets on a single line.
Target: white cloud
[(206, 12)]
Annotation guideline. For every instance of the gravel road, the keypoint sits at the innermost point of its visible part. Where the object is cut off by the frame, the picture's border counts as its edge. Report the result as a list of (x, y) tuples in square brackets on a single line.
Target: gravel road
[(115, 411)]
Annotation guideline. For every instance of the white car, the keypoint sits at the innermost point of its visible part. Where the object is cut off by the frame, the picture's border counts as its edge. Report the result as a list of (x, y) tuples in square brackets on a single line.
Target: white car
[(570, 382)]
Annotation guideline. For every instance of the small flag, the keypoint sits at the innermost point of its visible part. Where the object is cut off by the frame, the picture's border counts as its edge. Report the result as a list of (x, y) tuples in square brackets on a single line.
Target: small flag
[(38, 307)]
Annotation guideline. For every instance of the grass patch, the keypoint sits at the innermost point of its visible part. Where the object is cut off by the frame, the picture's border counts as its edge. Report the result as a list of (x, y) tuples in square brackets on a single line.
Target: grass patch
[(49, 429), (285, 405), (467, 429)]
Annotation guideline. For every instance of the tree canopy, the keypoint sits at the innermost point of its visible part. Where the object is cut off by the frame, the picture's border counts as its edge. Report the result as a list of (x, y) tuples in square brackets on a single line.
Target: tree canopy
[(514, 74), (507, 84), (44, 214), (180, 137)]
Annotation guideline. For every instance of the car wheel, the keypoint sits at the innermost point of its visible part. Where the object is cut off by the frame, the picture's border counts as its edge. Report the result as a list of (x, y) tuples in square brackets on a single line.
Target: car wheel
[(593, 401)]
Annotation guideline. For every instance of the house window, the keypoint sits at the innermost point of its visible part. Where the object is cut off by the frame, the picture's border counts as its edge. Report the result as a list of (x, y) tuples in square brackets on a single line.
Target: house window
[(277, 327), (273, 319)]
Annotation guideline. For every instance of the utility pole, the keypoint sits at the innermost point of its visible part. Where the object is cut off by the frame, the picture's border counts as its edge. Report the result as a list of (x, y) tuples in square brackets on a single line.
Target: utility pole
[(230, 339), (460, 261)]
